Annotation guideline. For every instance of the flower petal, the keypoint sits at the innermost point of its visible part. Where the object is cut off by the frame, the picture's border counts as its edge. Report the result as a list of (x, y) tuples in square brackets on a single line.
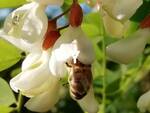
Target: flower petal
[(79, 41), (22, 44), (89, 103), (126, 50), (121, 9), (30, 60), (72, 44), (34, 76), (28, 22), (39, 89), (26, 26), (144, 102), (112, 26), (57, 66), (46, 100)]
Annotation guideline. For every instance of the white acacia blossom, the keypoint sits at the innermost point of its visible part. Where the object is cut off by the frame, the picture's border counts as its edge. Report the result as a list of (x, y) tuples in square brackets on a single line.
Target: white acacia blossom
[(121, 9), (144, 102), (113, 27), (73, 44), (26, 26), (36, 82), (126, 50), (116, 14)]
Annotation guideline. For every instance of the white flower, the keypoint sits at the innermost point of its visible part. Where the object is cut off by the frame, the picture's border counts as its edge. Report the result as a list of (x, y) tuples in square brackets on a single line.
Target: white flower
[(26, 26), (88, 103), (116, 14), (32, 72), (72, 44), (121, 9), (46, 100), (126, 50), (144, 102), (113, 27), (36, 82)]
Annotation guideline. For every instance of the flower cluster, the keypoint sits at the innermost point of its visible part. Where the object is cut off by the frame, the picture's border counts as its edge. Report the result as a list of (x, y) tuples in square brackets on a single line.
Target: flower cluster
[(116, 15), (128, 49), (29, 29), (51, 54)]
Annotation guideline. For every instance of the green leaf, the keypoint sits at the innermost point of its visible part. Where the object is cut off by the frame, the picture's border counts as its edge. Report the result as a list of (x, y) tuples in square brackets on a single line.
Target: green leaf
[(6, 95), (5, 109), (9, 55), (96, 20), (11, 3), (90, 30)]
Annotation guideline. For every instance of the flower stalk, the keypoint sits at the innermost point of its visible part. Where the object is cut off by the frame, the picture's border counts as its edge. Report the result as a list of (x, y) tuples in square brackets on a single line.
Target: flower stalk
[(20, 102)]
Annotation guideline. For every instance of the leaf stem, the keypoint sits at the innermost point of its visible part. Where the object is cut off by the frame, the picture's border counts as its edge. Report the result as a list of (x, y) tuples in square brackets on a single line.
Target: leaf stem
[(103, 105), (104, 76), (62, 14), (61, 28), (20, 103)]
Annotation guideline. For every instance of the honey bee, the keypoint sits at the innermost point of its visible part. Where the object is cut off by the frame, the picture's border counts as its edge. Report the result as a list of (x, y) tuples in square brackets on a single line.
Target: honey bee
[(80, 79)]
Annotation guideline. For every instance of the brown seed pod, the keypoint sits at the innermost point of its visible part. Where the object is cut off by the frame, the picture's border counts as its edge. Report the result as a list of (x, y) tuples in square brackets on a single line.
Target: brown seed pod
[(76, 15), (50, 39), (146, 22), (80, 79)]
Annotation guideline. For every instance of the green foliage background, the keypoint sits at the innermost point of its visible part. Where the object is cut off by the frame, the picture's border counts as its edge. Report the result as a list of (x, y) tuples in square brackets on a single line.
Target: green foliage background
[(117, 87)]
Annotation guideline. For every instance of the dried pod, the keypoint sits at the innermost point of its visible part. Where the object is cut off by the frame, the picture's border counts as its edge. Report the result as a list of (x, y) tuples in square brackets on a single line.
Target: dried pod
[(80, 79), (76, 15), (50, 39), (146, 22)]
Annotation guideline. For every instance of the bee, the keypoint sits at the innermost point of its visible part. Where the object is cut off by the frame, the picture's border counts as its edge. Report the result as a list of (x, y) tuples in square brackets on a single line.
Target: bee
[(80, 79)]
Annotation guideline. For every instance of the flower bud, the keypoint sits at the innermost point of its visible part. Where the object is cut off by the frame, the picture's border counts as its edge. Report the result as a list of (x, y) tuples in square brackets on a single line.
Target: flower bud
[(144, 102), (126, 50), (76, 15)]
